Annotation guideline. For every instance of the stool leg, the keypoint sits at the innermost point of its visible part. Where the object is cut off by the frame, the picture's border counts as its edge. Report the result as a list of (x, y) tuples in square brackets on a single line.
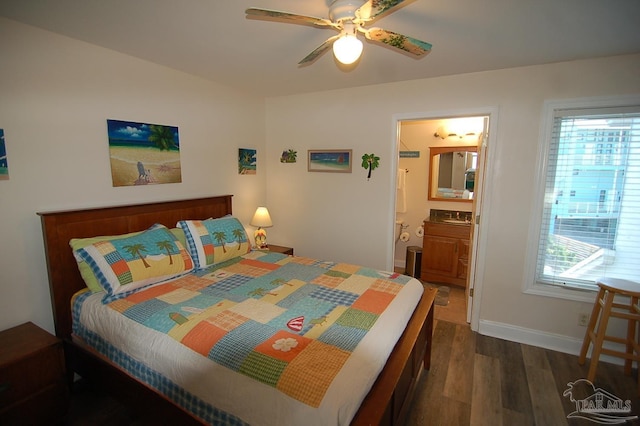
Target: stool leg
[(591, 327), (607, 304), (631, 336), (636, 350)]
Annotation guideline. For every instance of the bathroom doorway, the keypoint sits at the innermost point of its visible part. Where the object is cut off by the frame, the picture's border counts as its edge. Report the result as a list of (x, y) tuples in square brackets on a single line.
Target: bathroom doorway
[(416, 136)]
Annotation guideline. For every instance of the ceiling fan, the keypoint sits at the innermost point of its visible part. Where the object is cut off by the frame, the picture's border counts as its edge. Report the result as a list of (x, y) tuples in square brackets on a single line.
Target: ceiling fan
[(349, 17)]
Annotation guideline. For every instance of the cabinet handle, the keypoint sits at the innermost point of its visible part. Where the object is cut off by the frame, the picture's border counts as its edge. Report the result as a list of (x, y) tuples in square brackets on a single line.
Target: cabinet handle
[(5, 387)]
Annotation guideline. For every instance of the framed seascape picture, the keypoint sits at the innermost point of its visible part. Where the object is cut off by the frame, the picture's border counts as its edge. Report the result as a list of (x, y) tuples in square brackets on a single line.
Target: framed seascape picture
[(4, 166), (330, 160), (143, 154)]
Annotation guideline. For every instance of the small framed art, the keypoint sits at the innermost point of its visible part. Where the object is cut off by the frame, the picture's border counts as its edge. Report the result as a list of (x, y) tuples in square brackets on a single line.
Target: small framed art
[(247, 161), (330, 160), (4, 165)]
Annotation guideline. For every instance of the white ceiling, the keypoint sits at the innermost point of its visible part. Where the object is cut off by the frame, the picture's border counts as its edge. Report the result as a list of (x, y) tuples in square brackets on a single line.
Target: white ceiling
[(213, 39)]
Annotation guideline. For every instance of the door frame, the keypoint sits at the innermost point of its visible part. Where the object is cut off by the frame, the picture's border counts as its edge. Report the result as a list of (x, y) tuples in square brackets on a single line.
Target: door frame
[(480, 240), (477, 212)]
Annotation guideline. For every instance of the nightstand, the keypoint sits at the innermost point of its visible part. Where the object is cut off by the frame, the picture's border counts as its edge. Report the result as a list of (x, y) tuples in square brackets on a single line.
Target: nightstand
[(281, 249), (33, 384)]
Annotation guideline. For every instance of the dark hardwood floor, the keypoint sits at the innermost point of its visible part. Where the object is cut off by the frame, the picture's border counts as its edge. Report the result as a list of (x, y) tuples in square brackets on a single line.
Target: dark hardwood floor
[(480, 380), (474, 380)]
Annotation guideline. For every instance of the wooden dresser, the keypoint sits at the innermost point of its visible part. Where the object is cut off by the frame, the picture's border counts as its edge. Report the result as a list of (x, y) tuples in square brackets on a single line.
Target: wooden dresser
[(445, 253), (33, 387)]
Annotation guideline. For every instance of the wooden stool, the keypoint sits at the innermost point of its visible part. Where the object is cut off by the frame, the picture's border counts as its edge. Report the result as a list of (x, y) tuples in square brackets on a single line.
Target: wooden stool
[(605, 308)]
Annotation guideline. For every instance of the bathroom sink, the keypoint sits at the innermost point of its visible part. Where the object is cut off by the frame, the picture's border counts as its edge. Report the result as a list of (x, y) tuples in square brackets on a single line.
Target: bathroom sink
[(456, 221)]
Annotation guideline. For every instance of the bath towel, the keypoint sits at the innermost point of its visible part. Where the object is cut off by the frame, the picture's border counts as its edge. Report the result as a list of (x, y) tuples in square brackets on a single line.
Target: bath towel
[(401, 199)]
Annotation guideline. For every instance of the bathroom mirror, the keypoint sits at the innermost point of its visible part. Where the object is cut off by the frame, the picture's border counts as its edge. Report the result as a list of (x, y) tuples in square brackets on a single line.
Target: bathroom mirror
[(452, 173)]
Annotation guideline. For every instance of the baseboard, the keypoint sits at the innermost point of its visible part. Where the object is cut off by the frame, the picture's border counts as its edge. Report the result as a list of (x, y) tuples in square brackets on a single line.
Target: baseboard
[(541, 339)]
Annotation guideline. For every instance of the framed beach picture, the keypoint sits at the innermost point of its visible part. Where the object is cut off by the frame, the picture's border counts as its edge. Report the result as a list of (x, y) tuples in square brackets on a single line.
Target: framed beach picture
[(143, 154), (247, 161), (330, 160), (4, 166)]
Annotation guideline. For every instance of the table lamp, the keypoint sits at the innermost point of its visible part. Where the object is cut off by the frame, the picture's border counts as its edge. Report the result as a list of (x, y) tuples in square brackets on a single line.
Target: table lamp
[(262, 220)]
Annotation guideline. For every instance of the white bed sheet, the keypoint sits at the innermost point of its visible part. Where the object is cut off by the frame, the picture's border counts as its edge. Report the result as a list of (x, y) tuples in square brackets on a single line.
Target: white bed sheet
[(254, 402)]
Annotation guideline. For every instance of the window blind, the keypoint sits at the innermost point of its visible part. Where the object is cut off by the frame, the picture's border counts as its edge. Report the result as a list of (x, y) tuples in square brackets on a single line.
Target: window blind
[(591, 216)]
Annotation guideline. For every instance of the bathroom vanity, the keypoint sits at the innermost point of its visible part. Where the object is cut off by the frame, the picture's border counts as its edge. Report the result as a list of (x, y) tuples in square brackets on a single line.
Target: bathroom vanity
[(445, 250)]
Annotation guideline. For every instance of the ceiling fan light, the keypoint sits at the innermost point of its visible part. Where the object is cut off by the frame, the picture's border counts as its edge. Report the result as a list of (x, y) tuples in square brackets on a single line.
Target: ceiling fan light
[(347, 49)]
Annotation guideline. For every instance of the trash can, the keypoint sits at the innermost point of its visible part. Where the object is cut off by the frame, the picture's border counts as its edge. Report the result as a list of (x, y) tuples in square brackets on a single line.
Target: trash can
[(413, 261)]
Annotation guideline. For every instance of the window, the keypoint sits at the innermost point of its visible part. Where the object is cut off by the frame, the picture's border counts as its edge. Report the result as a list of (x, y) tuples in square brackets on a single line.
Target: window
[(592, 153)]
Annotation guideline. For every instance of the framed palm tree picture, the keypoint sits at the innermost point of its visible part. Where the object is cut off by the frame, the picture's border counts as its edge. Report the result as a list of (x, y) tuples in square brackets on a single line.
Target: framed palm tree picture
[(247, 161), (143, 154)]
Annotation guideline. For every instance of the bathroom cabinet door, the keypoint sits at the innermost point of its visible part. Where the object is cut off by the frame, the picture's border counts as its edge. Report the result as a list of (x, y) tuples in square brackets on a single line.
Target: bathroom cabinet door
[(442, 258), (445, 253)]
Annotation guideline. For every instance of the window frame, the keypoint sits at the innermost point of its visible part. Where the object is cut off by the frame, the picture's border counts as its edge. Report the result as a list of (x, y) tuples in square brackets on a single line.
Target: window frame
[(530, 284)]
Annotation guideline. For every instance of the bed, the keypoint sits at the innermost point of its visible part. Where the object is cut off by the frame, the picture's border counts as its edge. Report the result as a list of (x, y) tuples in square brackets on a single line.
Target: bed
[(387, 402)]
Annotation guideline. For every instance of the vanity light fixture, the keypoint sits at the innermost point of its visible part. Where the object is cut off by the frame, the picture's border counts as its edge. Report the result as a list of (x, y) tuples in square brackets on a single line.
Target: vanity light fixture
[(443, 133), (460, 127)]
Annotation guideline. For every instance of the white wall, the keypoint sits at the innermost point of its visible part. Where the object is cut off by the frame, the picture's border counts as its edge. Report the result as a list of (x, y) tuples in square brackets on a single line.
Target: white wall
[(345, 217), (56, 95)]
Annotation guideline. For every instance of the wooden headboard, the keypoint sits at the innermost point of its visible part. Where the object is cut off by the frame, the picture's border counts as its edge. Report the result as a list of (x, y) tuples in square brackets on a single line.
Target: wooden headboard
[(60, 227)]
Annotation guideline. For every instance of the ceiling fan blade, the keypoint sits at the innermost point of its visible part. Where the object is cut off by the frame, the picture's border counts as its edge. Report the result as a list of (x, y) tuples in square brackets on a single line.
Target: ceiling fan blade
[(373, 9), (405, 43), (298, 19), (318, 51)]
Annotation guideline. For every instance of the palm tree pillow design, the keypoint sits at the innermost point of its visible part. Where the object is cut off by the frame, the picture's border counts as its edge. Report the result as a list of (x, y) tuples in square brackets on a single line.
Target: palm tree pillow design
[(124, 265), (213, 241)]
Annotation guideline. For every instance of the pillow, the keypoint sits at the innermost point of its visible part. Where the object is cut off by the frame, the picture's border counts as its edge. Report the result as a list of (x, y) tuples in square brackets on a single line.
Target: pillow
[(179, 234), (87, 274), (127, 263), (85, 270), (214, 241)]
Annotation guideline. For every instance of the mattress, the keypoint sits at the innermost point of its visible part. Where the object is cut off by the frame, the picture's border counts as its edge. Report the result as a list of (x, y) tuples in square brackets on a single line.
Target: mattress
[(154, 335)]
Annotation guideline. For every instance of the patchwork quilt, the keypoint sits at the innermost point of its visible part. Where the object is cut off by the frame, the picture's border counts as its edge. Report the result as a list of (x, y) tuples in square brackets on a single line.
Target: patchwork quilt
[(288, 322)]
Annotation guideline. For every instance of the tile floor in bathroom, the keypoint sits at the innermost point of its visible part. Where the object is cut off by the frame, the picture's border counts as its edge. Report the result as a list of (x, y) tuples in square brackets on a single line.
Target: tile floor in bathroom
[(456, 309)]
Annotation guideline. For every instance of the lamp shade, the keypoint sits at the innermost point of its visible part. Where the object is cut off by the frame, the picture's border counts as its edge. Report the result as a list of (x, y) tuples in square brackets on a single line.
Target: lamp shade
[(347, 49), (261, 218)]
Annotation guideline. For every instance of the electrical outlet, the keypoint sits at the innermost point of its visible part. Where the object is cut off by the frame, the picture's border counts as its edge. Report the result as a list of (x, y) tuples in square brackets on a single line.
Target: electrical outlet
[(583, 319)]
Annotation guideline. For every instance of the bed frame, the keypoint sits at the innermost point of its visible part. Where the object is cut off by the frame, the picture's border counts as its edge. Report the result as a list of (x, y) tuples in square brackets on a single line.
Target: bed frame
[(387, 403)]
